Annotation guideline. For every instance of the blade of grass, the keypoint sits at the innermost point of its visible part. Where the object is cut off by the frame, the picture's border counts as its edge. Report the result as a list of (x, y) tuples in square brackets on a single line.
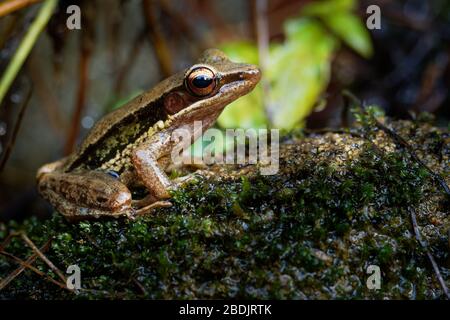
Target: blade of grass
[(25, 46)]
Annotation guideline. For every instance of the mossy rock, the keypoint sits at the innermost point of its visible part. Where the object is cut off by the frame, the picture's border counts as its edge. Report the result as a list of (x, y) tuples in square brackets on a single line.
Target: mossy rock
[(340, 203)]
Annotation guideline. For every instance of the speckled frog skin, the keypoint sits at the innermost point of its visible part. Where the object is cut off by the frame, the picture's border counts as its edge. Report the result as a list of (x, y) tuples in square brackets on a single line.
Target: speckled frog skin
[(131, 146)]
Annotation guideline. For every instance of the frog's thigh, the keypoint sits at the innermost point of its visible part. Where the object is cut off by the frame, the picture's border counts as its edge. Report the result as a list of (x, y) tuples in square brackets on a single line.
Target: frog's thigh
[(85, 193), (145, 160), (50, 167)]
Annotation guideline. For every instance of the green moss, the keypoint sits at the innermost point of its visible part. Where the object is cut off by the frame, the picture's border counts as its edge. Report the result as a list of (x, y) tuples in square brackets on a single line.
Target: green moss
[(309, 231)]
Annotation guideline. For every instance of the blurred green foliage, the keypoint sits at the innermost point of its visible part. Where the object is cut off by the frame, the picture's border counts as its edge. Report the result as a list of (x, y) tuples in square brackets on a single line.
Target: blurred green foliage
[(298, 69)]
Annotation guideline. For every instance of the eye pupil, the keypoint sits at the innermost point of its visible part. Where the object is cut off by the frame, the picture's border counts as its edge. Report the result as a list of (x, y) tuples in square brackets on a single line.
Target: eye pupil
[(202, 81)]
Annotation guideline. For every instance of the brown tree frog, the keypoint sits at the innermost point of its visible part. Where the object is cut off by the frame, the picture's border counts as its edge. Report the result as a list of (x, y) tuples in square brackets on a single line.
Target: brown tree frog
[(131, 146)]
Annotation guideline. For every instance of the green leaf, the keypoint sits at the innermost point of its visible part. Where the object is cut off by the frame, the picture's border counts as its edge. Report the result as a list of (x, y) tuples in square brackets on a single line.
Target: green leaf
[(338, 15), (247, 111), (298, 71), (352, 31)]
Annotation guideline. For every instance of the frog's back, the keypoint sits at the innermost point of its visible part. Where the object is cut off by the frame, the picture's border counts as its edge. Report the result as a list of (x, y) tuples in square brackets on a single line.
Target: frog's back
[(118, 128)]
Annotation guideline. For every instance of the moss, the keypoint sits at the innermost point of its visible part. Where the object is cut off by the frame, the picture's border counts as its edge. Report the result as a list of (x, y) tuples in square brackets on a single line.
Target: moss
[(308, 232)]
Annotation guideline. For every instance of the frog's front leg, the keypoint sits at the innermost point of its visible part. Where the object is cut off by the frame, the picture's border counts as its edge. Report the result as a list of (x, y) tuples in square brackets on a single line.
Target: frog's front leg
[(85, 194), (145, 160)]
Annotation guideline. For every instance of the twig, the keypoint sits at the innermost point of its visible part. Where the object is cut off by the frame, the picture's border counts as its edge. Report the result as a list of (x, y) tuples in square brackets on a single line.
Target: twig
[(12, 141), (131, 59), (262, 35), (157, 39), (182, 26), (206, 11), (43, 257), (430, 256), (8, 240), (25, 46), (13, 5), (18, 271), (83, 80), (48, 101), (26, 264)]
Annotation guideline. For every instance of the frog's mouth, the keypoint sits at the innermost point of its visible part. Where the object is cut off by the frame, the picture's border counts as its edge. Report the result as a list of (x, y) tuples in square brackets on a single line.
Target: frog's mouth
[(234, 85)]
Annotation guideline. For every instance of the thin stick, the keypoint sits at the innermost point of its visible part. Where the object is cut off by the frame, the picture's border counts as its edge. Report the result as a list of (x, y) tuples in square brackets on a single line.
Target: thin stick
[(8, 240), (12, 141), (262, 34), (25, 46), (130, 61), (157, 39), (14, 5), (47, 97), (80, 103), (430, 256), (43, 257), (26, 264), (16, 272)]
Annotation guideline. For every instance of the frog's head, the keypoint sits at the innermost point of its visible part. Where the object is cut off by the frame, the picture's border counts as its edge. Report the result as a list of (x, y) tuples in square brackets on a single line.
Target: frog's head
[(209, 86)]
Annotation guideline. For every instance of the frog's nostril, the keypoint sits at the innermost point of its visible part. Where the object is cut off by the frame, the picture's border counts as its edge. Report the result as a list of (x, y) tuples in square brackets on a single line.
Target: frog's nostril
[(253, 74)]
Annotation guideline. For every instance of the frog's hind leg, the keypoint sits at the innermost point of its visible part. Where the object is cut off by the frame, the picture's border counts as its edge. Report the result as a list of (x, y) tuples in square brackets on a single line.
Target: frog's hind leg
[(85, 194), (73, 212), (51, 167)]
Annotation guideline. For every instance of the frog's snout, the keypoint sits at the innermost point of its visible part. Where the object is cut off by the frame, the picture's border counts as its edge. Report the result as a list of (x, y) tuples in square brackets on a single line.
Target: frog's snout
[(251, 74)]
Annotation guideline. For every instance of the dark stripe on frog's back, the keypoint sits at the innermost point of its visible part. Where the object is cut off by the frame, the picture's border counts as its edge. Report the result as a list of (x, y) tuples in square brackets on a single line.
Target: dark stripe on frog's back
[(120, 133)]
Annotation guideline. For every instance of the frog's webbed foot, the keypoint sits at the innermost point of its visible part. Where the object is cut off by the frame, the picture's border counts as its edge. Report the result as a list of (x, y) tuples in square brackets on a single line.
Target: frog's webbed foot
[(195, 163), (192, 177)]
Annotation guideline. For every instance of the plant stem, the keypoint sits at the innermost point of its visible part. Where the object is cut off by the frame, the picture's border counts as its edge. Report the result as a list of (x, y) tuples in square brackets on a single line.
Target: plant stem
[(25, 46)]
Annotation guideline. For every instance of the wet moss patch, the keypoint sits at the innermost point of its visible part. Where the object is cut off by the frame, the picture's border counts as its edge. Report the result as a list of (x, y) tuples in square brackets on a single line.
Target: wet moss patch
[(339, 204)]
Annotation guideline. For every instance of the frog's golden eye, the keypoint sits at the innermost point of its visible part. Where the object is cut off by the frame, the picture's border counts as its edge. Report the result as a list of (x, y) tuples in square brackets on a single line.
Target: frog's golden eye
[(201, 81)]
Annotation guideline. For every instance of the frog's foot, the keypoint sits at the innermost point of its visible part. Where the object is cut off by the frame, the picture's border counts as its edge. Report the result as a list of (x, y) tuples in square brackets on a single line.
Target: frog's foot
[(192, 177), (150, 208), (194, 164)]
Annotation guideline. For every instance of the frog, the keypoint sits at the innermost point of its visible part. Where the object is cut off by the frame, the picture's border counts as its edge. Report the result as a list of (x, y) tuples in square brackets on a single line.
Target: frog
[(130, 147)]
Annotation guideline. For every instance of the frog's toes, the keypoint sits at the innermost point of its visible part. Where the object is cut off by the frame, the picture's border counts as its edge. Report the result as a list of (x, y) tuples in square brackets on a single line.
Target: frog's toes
[(180, 181), (191, 178)]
